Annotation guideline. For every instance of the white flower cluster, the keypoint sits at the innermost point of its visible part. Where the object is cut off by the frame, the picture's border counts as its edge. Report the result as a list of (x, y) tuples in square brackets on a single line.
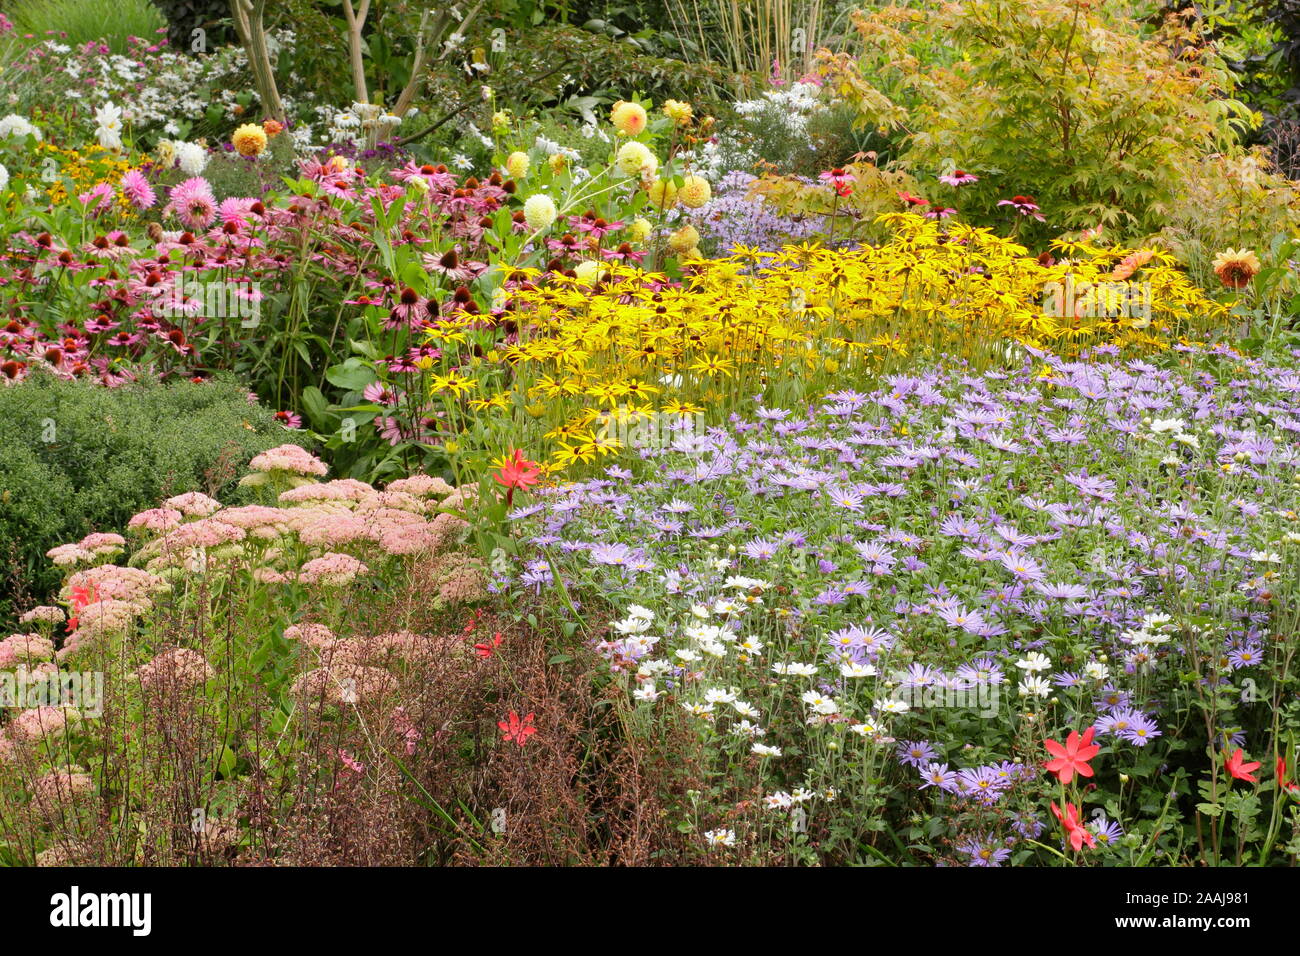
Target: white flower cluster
[(14, 126), (153, 93), (358, 123), (789, 107)]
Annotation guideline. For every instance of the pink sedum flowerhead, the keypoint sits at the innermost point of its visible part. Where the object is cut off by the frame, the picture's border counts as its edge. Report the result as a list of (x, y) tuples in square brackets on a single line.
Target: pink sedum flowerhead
[(290, 458)]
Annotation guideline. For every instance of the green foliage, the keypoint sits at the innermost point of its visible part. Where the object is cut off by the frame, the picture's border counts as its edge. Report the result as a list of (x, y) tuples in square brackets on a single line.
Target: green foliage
[(77, 22), (1065, 101), (80, 457), (186, 16), (584, 69)]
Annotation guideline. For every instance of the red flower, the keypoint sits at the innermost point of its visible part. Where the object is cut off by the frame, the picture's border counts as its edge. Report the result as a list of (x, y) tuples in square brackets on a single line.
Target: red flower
[(81, 596), (485, 649), (517, 472), (516, 729), (839, 180), (1073, 757), (1075, 831), (1282, 782), (1240, 770)]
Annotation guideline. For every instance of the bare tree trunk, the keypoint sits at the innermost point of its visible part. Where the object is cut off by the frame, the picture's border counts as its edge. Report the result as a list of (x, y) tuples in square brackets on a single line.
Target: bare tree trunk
[(356, 20), (247, 15)]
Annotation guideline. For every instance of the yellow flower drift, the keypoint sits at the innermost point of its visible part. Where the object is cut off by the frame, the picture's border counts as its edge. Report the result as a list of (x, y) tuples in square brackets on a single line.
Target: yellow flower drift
[(635, 347)]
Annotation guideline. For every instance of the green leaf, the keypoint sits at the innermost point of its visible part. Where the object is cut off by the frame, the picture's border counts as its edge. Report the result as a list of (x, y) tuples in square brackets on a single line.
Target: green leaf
[(352, 374), (314, 404)]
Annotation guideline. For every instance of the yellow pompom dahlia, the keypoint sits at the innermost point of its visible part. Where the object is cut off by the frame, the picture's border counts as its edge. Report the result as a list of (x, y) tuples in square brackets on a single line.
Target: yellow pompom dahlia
[(628, 118), (249, 140), (694, 192)]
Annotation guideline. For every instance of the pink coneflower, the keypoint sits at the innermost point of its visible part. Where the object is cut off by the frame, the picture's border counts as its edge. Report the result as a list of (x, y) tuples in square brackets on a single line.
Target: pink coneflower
[(193, 203), (597, 226), (380, 394), (939, 212), (453, 266), (915, 202), (1024, 205), (958, 177), (839, 180), (136, 188), (289, 419)]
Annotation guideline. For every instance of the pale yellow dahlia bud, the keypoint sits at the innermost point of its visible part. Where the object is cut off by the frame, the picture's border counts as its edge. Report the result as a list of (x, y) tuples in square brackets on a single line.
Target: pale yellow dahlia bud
[(663, 193), (517, 165), (635, 159), (249, 140), (539, 212), (684, 239), (589, 272), (678, 112), (628, 118), (639, 230), (694, 192), (558, 162)]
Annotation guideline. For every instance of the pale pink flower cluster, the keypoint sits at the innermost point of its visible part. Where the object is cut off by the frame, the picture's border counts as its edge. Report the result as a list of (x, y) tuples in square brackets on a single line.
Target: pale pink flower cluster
[(25, 649), (336, 529), (66, 555), (156, 519), (178, 668), (100, 619), (193, 503), (41, 723), (340, 489), (60, 786), (92, 546), (110, 582), (424, 486), (332, 569), (64, 854), (102, 544), (45, 614), (391, 500), (313, 635), (289, 458), (344, 683), (460, 578), (258, 521)]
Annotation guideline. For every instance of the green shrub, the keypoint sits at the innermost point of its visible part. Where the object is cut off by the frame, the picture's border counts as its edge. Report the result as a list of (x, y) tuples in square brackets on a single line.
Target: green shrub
[(80, 21), (1068, 102), (79, 457), (587, 66), (185, 16)]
